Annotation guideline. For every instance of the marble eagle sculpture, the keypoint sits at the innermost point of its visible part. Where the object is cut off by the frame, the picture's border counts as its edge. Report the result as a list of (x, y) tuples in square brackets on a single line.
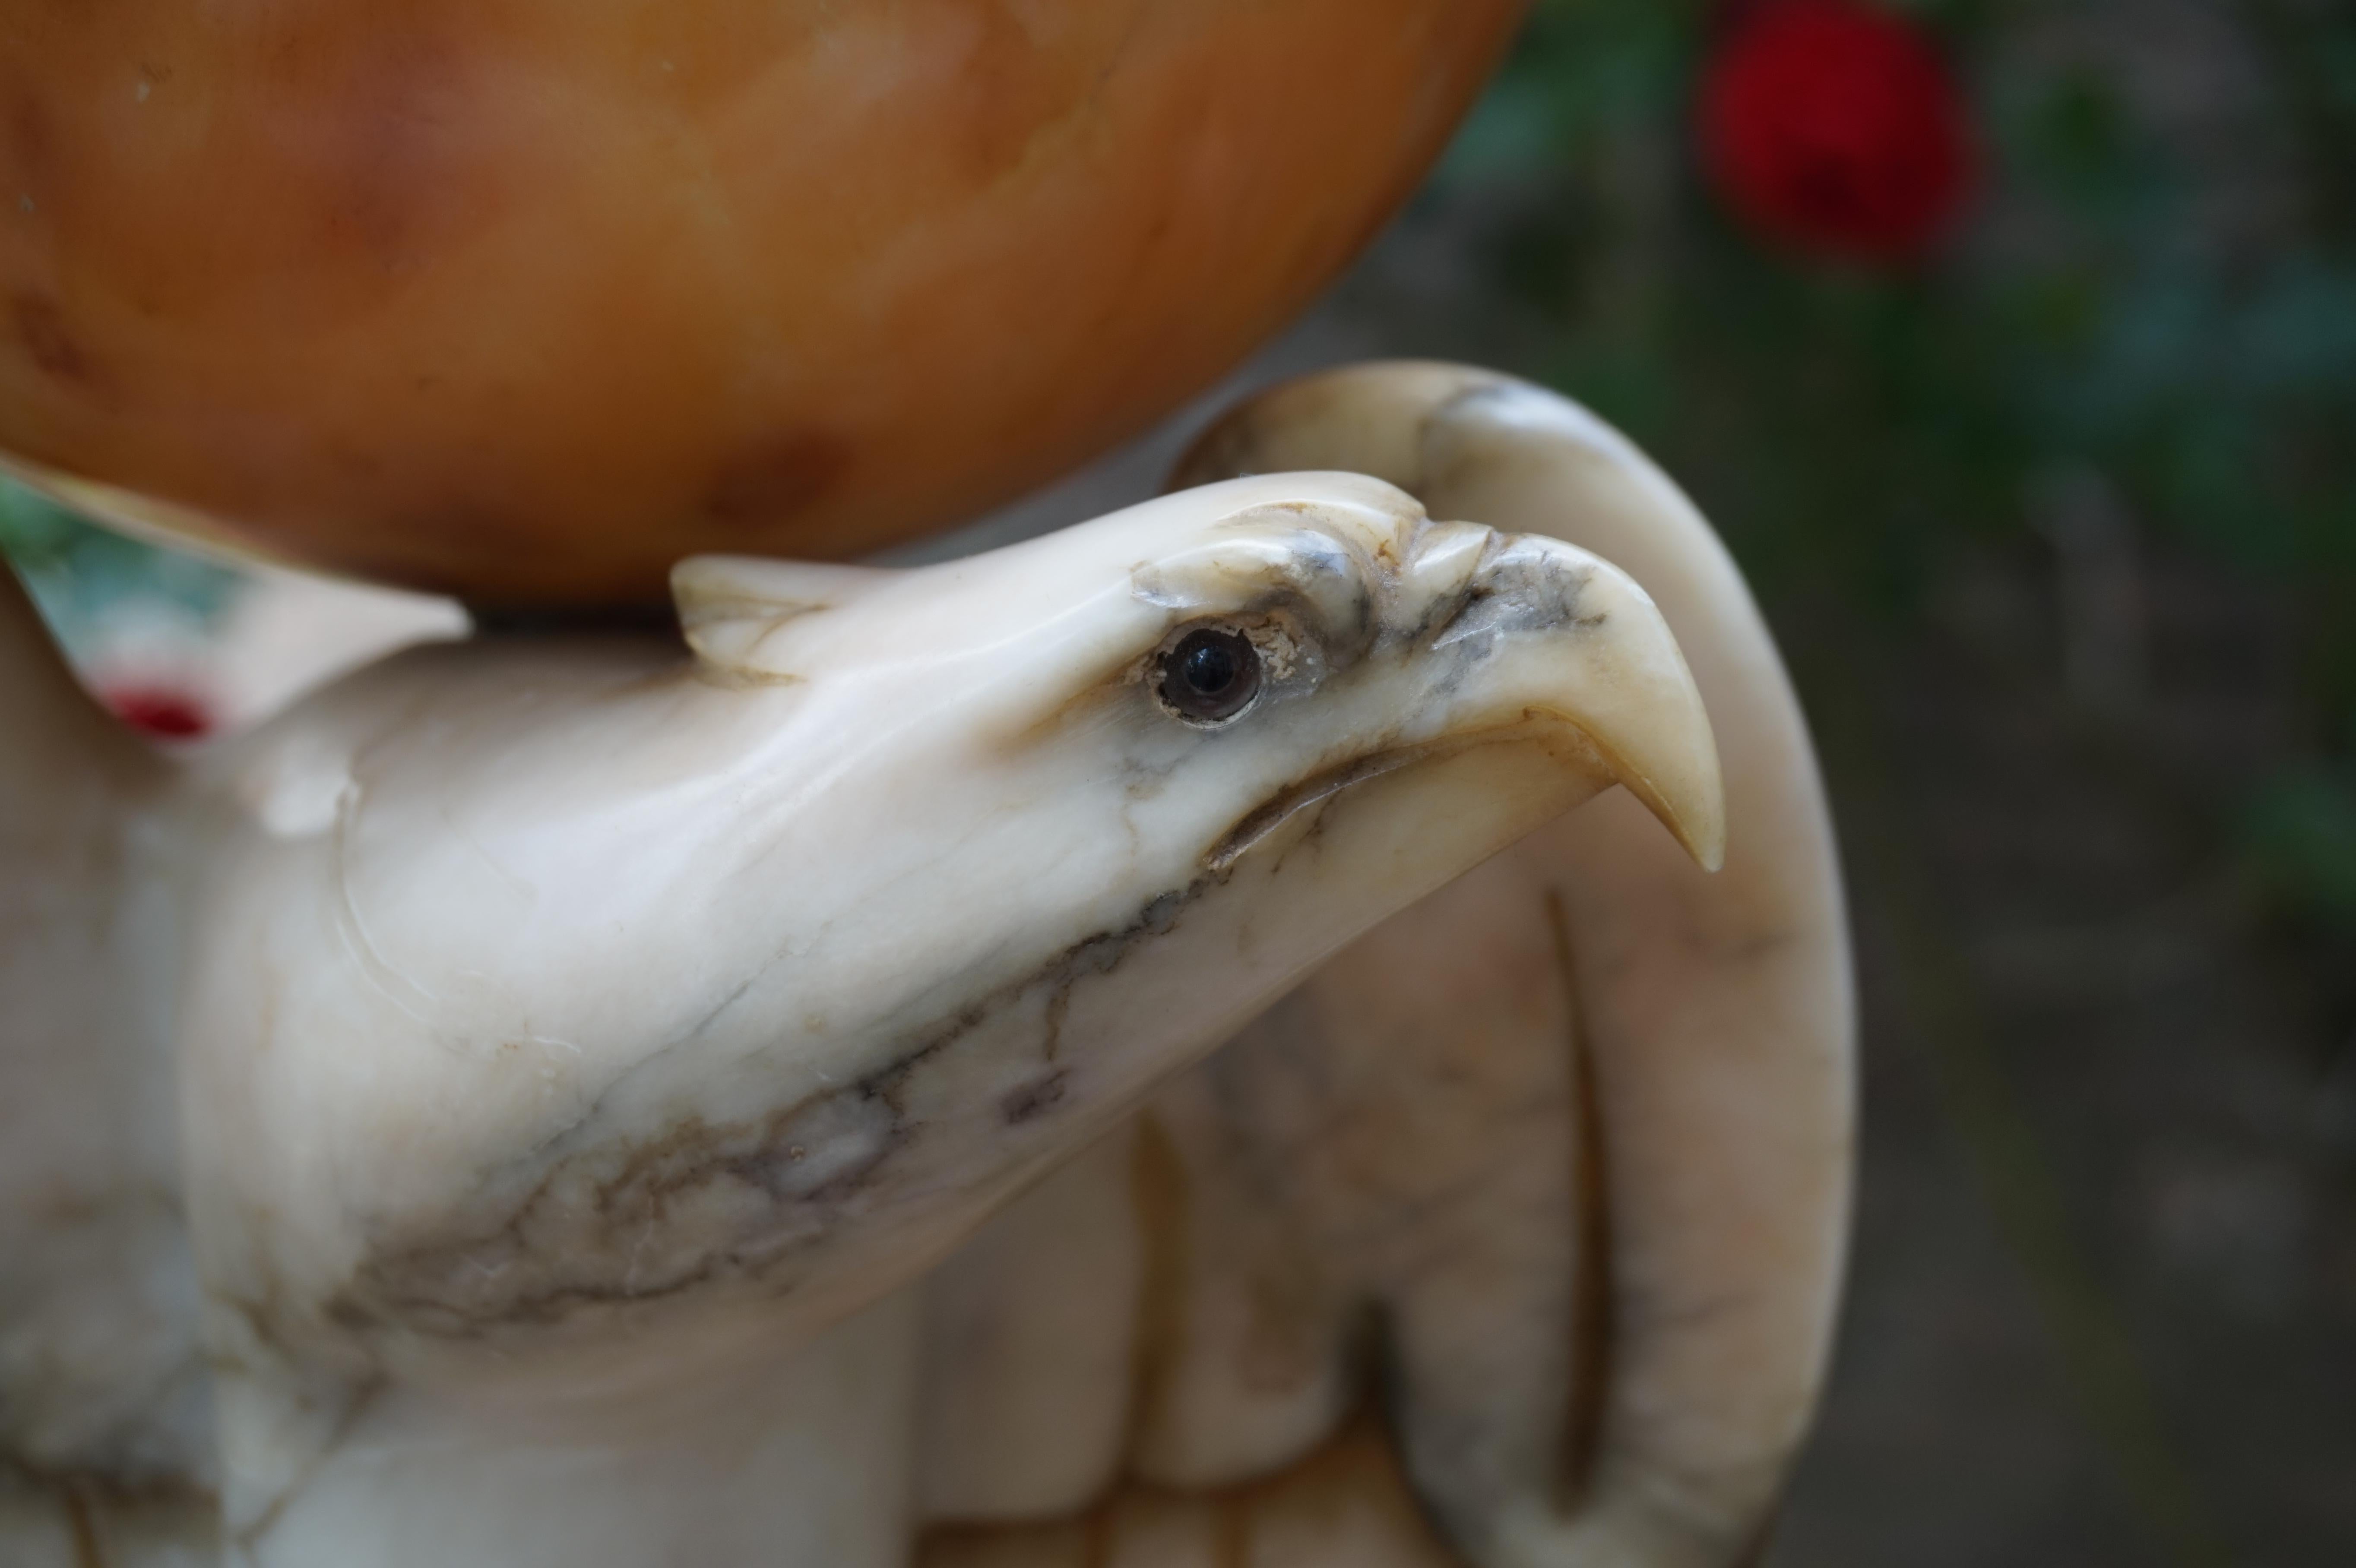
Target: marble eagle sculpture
[(1113, 1051)]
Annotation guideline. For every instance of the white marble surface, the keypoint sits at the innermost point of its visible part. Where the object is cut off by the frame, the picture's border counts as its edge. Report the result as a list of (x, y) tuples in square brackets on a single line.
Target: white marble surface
[(572, 1057)]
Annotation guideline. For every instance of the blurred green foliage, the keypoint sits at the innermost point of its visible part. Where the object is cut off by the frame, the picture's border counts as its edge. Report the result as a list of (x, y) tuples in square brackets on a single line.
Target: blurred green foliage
[(2155, 283), (2302, 828)]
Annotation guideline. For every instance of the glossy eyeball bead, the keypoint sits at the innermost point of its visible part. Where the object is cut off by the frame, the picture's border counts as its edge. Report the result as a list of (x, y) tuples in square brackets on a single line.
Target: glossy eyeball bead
[(1211, 675)]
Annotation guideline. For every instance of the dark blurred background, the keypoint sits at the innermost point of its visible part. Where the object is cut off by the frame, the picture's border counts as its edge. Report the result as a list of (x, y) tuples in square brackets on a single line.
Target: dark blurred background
[(2012, 346)]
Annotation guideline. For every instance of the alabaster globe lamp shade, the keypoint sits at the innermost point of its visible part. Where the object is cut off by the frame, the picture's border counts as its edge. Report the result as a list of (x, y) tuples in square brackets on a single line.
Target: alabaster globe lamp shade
[(524, 300)]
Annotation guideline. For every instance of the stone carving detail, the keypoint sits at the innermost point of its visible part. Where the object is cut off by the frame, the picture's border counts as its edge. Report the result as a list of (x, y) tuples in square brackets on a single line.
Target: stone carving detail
[(1118, 1051)]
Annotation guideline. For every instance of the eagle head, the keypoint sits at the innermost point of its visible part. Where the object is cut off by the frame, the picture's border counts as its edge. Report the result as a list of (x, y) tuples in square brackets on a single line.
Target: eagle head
[(741, 989)]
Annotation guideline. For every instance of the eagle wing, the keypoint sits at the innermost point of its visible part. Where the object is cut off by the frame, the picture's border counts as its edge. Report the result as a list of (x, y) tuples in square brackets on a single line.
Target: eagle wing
[(1512, 1237)]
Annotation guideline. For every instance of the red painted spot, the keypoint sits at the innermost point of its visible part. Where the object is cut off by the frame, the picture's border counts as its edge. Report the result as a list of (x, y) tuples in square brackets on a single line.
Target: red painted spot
[(160, 710)]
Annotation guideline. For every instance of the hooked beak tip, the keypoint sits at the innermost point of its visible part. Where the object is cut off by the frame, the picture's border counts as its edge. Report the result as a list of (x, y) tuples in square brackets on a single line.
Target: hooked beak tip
[(1693, 809)]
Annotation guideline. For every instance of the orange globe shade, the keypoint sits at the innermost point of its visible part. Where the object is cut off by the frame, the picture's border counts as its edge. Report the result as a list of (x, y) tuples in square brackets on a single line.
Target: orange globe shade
[(526, 299)]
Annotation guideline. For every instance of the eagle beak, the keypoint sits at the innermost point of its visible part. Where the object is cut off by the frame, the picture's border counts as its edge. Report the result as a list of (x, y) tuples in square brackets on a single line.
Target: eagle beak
[(1577, 643)]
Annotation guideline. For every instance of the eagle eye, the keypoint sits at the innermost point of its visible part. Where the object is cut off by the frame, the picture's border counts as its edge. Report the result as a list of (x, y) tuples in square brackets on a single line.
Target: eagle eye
[(1210, 674)]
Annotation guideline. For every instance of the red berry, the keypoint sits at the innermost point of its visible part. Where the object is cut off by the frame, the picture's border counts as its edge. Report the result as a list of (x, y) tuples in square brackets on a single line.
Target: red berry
[(1832, 126)]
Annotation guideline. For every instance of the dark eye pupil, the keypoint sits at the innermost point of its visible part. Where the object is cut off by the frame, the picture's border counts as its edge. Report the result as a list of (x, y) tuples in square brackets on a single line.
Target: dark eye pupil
[(1211, 675), (1210, 668)]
